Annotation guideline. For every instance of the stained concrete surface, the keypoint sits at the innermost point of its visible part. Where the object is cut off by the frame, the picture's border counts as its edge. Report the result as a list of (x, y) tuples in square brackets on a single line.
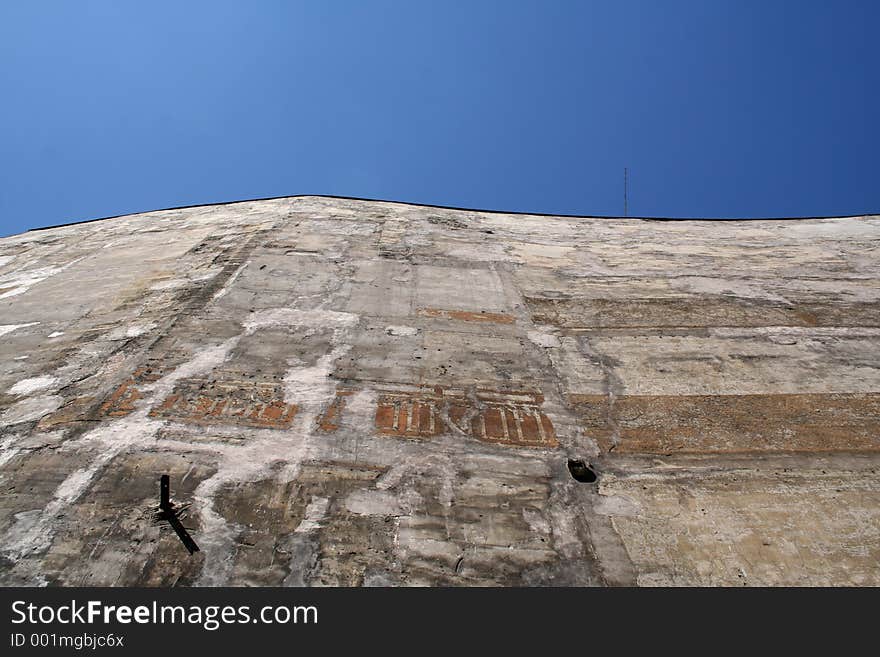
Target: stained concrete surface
[(365, 393)]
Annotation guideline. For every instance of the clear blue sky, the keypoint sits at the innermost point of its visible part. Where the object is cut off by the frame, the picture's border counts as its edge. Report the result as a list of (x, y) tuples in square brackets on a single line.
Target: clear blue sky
[(719, 108)]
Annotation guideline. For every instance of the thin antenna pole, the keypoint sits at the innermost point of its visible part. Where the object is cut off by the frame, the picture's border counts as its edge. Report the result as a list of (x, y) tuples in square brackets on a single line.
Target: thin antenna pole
[(625, 192)]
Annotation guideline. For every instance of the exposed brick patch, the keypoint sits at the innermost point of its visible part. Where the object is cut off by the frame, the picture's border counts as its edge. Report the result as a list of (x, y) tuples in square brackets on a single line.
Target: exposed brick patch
[(513, 419), (329, 420), (697, 312), (462, 315), (206, 401), (519, 425), (203, 401), (122, 401), (408, 416), (719, 424)]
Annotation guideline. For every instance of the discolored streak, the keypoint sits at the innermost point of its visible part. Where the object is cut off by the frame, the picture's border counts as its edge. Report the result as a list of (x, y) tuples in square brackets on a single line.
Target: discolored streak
[(718, 424), (465, 316)]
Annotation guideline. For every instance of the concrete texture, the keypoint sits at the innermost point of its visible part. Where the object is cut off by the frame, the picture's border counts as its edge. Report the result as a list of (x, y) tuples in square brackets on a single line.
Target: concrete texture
[(364, 393)]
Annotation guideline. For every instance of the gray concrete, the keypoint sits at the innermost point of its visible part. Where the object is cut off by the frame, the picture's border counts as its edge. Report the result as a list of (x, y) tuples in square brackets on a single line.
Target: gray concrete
[(365, 393)]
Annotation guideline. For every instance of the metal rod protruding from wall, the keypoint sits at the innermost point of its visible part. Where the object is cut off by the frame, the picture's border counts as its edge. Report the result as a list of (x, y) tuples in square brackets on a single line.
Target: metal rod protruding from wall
[(164, 493)]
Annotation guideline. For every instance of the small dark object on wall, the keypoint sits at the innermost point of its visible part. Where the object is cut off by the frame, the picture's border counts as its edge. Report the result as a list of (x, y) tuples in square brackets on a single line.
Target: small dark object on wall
[(169, 513)]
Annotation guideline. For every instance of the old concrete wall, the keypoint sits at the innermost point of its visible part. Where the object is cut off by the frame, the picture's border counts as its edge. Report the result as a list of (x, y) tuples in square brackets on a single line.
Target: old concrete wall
[(350, 392)]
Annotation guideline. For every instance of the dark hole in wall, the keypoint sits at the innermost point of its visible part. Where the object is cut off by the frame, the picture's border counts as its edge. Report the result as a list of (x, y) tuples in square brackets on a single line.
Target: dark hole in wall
[(582, 472)]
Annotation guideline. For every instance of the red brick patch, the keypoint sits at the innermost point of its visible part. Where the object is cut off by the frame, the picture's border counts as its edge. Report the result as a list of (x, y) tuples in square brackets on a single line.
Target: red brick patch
[(204, 401), (408, 416), (245, 403), (513, 419), (524, 426), (330, 418), (122, 401)]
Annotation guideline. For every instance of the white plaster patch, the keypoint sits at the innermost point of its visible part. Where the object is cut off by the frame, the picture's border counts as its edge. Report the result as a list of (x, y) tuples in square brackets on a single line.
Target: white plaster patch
[(9, 328), (315, 513), (171, 284), (359, 409), (23, 281), (132, 331), (309, 386), (401, 331), (207, 275), (30, 409), (293, 317), (9, 448), (219, 294), (25, 520), (27, 386), (545, 340)]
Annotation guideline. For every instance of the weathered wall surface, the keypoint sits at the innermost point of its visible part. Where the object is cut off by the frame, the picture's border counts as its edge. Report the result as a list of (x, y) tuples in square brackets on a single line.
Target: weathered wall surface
[(364, 393)]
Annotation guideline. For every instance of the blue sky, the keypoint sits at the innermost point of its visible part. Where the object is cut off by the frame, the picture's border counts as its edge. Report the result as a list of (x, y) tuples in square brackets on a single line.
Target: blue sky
[(739, 108)]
